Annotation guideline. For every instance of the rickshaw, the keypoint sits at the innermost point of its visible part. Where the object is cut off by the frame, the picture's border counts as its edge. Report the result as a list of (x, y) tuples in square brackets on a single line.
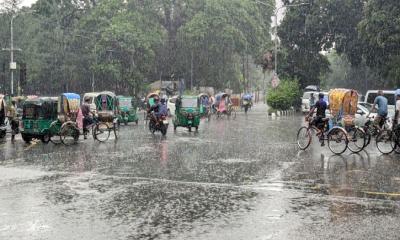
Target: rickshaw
[(107, 116), (342, 133), (91, 96), (187, 113), (127, 111), (223, 105), (67, 127), (204, 101), (150, 101), (3, 113), (38, 114)]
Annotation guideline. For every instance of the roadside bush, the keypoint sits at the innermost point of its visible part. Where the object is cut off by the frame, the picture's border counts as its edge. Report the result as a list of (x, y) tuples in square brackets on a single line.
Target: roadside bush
[(284, 96)]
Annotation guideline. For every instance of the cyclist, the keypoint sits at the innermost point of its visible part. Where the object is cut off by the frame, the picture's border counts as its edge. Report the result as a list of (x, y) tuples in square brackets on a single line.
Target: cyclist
[(382, 104), (320, 118)]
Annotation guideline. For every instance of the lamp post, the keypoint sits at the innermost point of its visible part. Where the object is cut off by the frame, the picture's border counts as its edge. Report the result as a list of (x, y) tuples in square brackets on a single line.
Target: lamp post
[(12, 49), (276, 27)]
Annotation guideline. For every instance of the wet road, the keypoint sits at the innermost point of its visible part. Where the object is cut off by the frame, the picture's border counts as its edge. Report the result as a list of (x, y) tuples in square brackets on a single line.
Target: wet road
[(237, 179)]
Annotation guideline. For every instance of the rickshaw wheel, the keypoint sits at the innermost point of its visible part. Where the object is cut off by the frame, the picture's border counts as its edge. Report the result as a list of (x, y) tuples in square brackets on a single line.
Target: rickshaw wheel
[(45, 138), (101, 132), (357, 139), (67, 132), (337, 140), (26, 138), (385, 142)]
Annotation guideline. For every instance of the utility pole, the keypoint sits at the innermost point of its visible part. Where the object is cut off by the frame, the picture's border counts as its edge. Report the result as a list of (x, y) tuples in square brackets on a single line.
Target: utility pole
[(191, 73), (13, 65)]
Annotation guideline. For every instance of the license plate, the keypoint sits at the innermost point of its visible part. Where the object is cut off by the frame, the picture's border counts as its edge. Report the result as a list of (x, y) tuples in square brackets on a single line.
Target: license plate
[(165, 121)]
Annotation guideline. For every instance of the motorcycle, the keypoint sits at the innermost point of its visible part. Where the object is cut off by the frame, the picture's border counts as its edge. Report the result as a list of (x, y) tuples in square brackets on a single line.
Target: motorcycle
[(159, 124)]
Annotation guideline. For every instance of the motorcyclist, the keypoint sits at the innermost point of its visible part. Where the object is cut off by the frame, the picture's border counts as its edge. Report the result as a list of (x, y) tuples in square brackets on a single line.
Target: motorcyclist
[(158, 109)]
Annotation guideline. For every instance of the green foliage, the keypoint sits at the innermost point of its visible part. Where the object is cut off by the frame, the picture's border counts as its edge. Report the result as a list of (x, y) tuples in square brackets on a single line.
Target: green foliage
[(284, 96)]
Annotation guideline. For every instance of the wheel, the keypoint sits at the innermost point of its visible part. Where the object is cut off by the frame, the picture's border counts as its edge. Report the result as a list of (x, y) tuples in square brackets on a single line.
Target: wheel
[(246, 108), (357, 139), (45, 138), (164, 130), (175, 127), (197, 128), (337, 140), (385, 142), (137, 121), (54, 129), (101, 132), (26, 138), (69, 134), (126, 123), (190, 129), (303, 138)]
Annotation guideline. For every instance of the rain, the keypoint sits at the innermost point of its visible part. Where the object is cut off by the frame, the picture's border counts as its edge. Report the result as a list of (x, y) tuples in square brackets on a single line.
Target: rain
[(180, 119)]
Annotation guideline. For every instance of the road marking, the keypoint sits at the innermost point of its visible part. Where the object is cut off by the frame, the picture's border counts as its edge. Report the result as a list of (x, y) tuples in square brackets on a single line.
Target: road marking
[(33, 143), (394, 194)]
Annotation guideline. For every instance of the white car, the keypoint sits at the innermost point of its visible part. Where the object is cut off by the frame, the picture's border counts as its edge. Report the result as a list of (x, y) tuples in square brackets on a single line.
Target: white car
[(361, 115), (171, 105), (389, 94)]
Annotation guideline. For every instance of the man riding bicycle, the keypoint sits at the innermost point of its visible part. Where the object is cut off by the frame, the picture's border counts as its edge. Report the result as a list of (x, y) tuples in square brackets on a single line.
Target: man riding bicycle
[(320, 117), (382, 104)]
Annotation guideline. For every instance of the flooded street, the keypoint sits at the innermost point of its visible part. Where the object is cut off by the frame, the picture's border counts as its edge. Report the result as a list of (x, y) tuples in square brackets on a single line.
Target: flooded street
[(234, 179)]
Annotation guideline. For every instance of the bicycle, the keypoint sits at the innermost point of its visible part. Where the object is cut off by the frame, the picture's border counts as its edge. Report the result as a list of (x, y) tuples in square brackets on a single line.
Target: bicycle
[(384, 137)]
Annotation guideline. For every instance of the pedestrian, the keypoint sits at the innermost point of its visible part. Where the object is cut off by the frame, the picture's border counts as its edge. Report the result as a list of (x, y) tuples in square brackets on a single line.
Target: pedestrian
[(12, 119), (382, 103)]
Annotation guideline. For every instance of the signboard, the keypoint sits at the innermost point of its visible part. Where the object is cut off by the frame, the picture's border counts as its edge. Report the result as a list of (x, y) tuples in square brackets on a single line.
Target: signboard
[(13, 65), (275, 81)]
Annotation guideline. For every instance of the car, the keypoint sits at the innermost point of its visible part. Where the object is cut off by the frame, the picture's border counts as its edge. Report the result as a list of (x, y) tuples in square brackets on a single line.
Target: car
[(171, 105), (361, 115)]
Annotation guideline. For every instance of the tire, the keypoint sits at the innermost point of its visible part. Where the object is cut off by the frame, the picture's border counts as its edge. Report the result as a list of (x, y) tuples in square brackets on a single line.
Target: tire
[(26, 138), (357, 139), (246, 108), (164, 130), (190, 129), (69, 134), (197, 128), (137, 121), (385, 142), (55, 137), (337, 140), (45, 138), (303, 138), (101, 132), (175, 127)]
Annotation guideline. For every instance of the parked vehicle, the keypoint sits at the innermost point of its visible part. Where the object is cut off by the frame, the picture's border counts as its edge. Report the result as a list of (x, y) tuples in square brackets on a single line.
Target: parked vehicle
[(171, 105), (37, 117), (305, 100)]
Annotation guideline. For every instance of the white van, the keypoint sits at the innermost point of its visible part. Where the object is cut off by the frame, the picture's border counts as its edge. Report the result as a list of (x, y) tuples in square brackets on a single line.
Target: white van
[(305, 100), (389, 94)]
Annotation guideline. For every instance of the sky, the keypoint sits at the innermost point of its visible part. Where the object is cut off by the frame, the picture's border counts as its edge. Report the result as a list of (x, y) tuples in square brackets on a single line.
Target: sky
[(27, 2)]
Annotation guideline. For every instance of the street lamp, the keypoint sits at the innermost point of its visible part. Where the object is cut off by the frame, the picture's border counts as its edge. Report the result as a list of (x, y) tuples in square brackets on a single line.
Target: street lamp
[(276, 26), (12, 49)]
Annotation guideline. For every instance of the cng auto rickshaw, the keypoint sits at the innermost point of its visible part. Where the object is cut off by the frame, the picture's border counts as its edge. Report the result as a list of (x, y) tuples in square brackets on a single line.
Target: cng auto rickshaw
[(127, 110), (37, 116), (67, 127), (187, 113), (107, 116)]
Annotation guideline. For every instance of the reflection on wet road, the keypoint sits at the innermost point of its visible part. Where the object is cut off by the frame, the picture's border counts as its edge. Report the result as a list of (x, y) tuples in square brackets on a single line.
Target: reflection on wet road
[(237, 179)]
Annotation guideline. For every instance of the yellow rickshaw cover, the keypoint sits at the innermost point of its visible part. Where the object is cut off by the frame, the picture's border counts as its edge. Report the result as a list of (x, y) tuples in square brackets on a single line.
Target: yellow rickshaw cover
[(343, 101)]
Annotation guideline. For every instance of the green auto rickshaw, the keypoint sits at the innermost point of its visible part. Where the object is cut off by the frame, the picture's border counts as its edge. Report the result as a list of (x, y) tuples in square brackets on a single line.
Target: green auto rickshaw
[(187, 112), (37, 116), (127, 110)]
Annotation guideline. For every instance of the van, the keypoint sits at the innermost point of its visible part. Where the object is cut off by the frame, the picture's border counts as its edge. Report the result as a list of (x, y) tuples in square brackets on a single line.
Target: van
[(389, 94), (305, 100)]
